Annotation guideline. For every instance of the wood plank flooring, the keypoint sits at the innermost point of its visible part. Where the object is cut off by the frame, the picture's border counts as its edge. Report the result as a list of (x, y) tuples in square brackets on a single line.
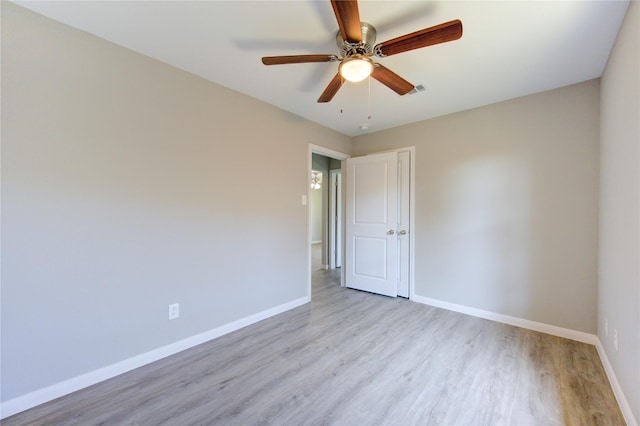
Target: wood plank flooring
[(353, 358)]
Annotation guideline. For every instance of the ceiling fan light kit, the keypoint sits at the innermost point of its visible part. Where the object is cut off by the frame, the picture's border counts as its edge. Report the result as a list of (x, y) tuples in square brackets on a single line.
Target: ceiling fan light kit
[(356, 68), (356, 41)]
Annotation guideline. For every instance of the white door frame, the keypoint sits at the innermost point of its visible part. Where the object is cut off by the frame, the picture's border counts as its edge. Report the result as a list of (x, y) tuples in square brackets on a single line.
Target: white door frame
[(317, 149), (412, 205)]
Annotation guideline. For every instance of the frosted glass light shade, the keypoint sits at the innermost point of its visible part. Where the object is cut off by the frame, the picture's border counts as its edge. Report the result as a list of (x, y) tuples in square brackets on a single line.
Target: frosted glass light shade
[(356, 68)]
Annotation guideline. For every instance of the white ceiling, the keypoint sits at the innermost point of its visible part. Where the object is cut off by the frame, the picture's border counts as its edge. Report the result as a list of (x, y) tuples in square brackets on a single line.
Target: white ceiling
[(508, 49)]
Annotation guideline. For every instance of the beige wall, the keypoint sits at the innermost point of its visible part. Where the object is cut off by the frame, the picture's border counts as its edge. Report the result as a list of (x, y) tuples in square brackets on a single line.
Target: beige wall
[(506, 205), (619, 280), (128, 185)]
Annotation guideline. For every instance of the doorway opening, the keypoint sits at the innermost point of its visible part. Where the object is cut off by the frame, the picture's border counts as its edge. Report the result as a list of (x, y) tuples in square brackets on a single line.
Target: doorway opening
[(325, 205), (325, 195)]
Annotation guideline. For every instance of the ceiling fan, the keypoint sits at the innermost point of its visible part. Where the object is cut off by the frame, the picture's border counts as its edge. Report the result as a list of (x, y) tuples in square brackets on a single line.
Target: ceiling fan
[(356, 41)]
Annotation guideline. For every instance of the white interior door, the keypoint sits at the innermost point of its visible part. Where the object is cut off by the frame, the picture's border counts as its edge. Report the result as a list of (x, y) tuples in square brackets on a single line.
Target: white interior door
[(371, 221)]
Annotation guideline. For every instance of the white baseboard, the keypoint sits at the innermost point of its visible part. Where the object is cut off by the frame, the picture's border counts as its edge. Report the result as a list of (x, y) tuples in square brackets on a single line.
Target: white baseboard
[(57, 390), (579, 336), (615, 385)]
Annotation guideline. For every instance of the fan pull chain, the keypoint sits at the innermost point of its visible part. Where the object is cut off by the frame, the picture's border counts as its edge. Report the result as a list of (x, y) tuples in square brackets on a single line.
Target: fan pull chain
[(342, 82), (369, 117)]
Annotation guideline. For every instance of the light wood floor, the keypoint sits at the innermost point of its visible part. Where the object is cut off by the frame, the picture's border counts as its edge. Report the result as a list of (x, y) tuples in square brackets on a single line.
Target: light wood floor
[(353, 358)]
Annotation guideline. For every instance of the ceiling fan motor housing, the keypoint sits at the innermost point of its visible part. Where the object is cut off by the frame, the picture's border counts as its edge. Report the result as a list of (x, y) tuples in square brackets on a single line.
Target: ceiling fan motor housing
[(365, 47)]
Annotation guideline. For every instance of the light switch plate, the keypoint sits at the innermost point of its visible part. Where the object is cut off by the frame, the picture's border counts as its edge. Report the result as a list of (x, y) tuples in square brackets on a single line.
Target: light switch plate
[(174, 311)]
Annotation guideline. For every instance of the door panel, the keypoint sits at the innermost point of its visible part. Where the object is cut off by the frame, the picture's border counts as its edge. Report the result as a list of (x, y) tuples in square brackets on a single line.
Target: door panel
[(371, 221), (370, 257), (370, 181)]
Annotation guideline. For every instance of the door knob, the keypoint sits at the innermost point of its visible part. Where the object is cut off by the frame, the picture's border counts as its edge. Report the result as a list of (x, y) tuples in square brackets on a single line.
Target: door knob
[(391, 232), (403, 232)]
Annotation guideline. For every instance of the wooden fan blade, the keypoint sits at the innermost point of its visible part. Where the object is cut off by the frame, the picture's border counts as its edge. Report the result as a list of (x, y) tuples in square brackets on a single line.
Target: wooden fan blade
[(442, 33), (392, 80), (331, 89), (348, 19), (297, 59)]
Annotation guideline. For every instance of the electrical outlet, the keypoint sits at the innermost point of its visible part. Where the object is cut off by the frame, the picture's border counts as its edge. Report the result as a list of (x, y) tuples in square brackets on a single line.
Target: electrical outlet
[(174, 311), (615, 339), (606, 327)]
